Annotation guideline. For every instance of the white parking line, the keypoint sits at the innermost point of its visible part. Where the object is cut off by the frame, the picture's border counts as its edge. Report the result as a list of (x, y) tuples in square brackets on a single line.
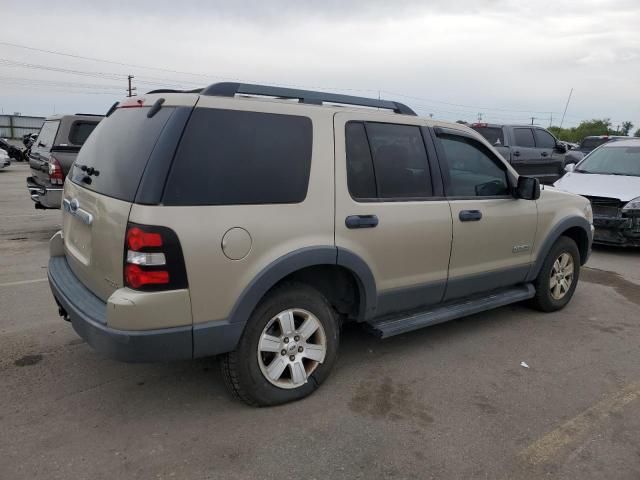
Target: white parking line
[(23, 282)]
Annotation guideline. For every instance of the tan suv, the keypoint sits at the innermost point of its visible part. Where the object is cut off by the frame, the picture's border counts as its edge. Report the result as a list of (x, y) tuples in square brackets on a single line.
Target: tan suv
[(253, 221)]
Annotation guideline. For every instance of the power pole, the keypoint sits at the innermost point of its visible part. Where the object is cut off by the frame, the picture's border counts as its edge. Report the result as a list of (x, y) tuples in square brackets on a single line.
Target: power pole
[(532, 119), (131, 89), (479, 117), (550, 119), (565, 107)]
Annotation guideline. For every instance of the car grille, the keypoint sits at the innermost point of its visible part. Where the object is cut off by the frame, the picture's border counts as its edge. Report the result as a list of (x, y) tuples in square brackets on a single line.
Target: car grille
[(605, 207)]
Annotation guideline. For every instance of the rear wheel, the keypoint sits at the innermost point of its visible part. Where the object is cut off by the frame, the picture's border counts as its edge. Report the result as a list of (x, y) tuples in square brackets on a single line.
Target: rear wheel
[(558, 277), (288, 348)]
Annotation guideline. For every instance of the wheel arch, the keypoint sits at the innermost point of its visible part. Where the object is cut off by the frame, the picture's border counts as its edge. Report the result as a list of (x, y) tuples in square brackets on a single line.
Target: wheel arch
[(576, 228)]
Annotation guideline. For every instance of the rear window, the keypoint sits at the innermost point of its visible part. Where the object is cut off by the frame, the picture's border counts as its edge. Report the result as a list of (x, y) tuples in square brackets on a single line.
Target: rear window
[(230, 157), (80, 130), (494, 135), (119, 150), (46, 136), (591, 143)]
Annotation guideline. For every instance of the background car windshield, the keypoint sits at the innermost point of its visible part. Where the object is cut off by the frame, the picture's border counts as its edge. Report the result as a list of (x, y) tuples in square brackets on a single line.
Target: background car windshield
[(591, 143), (613, 161)]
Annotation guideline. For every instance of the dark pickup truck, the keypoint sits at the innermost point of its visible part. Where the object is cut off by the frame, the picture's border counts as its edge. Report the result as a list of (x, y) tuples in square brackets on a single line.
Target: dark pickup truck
[(531, 150), (53, 153)]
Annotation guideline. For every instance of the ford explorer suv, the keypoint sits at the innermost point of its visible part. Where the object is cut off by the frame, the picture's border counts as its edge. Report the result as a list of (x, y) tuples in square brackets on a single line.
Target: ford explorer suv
[(52, 154), (531, 150), (251, 222)]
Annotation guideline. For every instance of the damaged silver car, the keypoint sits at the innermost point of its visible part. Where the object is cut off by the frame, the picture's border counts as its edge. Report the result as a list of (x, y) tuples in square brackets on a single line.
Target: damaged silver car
[(610, 178)]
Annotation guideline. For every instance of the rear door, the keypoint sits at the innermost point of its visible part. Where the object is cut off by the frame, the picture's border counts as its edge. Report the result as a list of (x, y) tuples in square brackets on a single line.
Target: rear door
[(41, 150), (389, 208), (553, 160), (99, 192)]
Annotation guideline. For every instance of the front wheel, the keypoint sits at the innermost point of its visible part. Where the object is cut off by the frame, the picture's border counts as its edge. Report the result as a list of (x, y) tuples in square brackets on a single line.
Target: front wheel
[(288, 348), (558, 276)]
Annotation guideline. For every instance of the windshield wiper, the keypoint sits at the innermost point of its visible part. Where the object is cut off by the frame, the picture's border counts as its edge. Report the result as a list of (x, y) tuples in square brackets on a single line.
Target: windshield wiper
[(578, 170)]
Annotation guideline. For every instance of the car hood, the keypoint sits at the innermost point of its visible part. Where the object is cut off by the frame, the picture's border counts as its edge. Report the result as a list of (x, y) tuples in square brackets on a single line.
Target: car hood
[(611, 186)]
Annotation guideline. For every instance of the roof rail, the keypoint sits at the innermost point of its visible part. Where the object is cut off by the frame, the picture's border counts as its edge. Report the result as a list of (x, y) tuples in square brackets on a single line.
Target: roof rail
[(90, 114), (230, 89), (169, 90)]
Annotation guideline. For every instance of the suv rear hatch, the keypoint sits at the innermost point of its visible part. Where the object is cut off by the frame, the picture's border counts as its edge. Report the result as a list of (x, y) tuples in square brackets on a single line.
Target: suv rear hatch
[(102, 186)]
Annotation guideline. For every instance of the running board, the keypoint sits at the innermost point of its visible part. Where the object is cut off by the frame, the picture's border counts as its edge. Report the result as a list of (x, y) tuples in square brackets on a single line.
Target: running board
[(395, 326)]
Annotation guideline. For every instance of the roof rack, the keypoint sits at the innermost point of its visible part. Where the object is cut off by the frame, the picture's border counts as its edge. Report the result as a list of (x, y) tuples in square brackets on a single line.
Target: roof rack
[(90, 114), (231, 89)]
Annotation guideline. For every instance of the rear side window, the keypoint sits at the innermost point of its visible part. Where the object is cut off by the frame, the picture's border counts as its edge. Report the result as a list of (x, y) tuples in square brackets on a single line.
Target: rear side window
[(79, 132), (386, 161), (544, 139), (232, 157), (494, 135), (119, 149), (524, 137), (47, 136)]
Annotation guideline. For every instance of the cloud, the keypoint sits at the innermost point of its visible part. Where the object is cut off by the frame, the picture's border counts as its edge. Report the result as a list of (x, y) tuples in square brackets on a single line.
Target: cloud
[(514, 58)]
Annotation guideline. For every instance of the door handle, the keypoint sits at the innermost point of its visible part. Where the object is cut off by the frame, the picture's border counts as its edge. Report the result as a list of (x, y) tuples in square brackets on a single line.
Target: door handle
[(516, 153), (544, 154), (470, 215), (361, 221)]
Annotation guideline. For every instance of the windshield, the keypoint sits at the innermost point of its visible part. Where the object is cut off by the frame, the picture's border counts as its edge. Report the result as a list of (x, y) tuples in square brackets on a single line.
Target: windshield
[(610, 160)]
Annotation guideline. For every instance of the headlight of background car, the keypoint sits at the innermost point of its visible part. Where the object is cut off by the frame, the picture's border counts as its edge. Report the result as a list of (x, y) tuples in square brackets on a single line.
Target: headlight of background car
[(588, 212), (633, 206)]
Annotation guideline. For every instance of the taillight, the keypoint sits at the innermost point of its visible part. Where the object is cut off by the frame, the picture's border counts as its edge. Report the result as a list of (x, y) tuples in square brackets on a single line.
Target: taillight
[(56, 177), (153, 259)]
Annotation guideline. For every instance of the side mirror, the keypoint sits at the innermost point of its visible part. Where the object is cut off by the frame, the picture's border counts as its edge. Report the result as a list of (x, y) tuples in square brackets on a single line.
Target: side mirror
[(570, 167), (528, 188), (561, 147)]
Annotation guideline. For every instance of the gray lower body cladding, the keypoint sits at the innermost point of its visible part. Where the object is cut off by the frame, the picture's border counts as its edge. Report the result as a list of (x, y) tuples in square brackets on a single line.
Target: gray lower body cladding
[(87, 314)]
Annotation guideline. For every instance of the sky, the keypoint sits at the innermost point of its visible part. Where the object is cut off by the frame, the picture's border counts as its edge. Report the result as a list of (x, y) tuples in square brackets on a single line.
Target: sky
[(454, 59)]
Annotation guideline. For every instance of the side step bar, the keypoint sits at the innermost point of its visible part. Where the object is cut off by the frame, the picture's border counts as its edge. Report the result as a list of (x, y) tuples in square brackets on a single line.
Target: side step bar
[(395, 326)]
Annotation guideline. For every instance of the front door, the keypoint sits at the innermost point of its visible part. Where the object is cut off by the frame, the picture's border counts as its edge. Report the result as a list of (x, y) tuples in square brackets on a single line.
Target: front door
[(493, 232), (389, 212)]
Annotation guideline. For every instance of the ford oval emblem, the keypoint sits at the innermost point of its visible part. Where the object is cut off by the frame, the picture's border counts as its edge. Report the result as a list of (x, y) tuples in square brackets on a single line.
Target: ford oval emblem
[(74, 205)]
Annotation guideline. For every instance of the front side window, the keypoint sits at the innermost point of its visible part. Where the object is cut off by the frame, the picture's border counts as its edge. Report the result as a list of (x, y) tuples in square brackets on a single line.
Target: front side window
[(524, 137), (387, 161), (233, 157), (473, 170), (544, 139)]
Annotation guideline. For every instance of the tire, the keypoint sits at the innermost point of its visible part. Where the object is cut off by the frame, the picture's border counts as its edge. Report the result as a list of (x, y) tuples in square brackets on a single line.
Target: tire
[(547, 298), (246, 370)]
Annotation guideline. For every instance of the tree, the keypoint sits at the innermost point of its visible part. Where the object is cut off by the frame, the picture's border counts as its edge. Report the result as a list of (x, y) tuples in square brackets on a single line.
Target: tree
[(626, 128), (637, 134), (585, 129)]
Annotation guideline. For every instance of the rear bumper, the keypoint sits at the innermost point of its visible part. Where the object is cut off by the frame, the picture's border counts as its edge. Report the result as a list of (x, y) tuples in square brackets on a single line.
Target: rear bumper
[(88, 315), (47, 197)]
